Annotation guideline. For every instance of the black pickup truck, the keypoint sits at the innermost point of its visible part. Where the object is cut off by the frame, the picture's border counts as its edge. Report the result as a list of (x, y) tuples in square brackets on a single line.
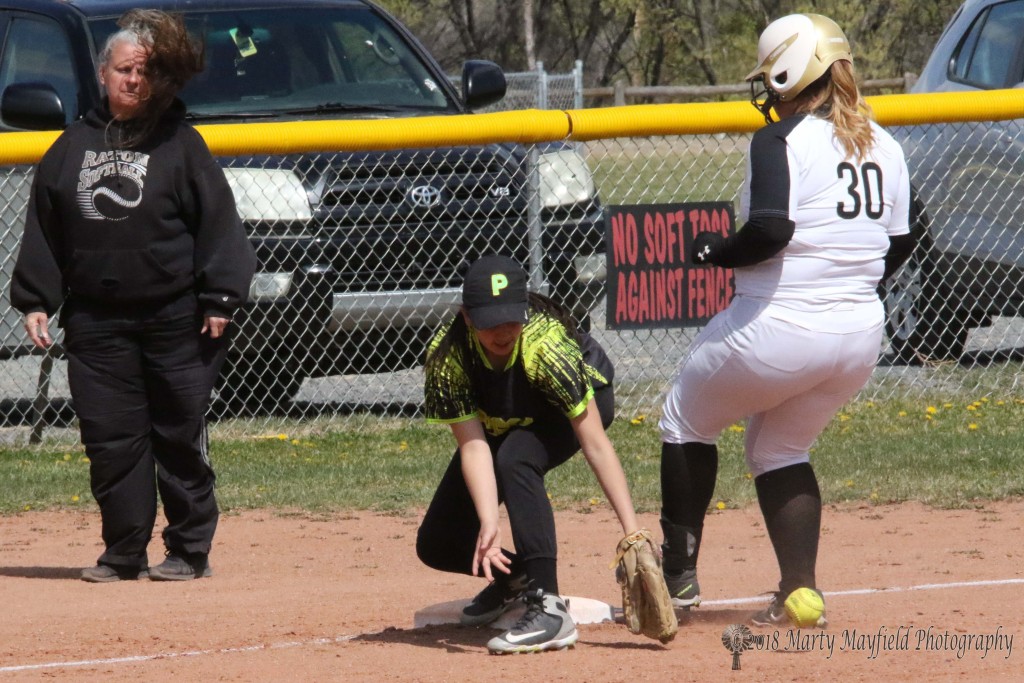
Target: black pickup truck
[(360, 254)]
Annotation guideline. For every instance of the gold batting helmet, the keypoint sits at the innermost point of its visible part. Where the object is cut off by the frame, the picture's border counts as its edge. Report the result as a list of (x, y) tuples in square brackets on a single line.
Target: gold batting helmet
[(793, 52)]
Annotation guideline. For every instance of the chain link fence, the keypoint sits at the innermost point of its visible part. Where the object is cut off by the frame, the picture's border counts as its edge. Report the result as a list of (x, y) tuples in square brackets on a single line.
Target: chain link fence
[(361, 256)]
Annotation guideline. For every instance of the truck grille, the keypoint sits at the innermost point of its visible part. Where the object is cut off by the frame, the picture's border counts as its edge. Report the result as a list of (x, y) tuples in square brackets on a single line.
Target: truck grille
[(410, 219)]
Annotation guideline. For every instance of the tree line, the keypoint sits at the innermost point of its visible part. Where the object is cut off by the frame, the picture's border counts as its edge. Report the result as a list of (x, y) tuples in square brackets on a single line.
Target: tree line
[(662, 42)]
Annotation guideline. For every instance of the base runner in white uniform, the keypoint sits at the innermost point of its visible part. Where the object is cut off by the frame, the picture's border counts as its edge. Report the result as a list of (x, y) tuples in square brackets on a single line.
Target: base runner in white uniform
[(825, 207)]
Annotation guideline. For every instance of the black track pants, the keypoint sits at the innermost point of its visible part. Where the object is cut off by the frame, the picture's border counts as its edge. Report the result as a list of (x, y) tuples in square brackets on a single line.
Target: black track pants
[(141, 389), (447, 536)]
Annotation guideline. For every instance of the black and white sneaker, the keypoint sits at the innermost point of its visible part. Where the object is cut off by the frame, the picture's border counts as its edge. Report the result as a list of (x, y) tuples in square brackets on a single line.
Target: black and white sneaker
[(684, 589), (546, 625), (493, 601)]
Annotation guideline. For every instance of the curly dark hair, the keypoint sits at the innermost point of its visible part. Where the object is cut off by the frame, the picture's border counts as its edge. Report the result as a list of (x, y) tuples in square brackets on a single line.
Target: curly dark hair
[(175, 56)]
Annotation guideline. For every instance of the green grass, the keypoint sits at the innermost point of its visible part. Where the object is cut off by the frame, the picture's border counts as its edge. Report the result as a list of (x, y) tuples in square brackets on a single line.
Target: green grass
[(631, 172), (946, 454)]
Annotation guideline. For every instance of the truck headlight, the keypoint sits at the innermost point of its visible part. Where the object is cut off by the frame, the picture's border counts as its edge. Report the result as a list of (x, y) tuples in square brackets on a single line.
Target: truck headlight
[(590, 269), (270, 286), (564, 179), (268, 194)]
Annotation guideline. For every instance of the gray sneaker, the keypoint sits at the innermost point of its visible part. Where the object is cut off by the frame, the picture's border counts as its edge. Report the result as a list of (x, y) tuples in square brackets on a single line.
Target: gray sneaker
[(546, 625), (774, 615), (107, 573), (181, 567), (684, 589), (493, 601)]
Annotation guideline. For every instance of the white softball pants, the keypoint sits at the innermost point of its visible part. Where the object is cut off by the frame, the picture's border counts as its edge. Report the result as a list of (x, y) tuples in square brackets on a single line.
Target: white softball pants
[(788, 381)]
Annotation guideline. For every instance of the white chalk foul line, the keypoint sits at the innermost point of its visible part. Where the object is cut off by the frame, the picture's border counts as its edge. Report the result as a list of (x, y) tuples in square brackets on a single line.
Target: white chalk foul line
[(868, 591), (172, 655), (341, 639)]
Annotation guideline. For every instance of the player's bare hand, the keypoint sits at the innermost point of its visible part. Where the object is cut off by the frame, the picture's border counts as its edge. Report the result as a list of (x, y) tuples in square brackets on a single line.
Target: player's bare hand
[(488, 555), (214, 325), (37, 326)]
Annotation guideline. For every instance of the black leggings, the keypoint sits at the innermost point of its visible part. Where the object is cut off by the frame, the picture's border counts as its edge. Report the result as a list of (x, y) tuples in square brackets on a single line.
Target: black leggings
[(522, 456)]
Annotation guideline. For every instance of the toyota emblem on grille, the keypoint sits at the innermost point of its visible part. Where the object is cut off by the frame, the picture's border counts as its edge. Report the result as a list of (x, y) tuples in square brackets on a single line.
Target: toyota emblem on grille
[(424, 195)]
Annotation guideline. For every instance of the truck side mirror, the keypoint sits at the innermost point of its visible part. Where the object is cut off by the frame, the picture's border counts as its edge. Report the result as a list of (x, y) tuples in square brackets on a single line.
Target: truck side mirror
[(32, 106), (483, 83)]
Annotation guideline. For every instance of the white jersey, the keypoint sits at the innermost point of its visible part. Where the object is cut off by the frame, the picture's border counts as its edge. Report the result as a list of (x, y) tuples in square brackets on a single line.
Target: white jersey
[(844, 210)]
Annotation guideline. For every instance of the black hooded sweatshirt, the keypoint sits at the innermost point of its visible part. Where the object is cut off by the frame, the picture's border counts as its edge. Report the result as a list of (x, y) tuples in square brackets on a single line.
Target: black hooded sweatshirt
[(112, 228)]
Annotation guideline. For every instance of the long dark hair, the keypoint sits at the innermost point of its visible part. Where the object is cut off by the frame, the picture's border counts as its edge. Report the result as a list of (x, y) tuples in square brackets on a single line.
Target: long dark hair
[(174, 57), (457, 335)]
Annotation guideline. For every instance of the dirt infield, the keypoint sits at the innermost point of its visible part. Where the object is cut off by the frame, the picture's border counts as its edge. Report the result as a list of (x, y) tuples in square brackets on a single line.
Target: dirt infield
[(300, 598)]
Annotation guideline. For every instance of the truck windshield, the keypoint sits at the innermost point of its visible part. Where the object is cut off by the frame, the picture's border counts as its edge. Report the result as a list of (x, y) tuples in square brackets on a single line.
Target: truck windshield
[(293, 59)]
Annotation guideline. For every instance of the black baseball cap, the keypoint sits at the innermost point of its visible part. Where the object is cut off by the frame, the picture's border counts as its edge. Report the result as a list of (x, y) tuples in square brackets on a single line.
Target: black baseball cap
[(494, 292)]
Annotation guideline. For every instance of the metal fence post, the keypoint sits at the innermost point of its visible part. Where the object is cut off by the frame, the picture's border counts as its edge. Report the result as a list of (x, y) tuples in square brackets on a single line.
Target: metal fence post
[(535, 228), (42, 397), (577, 84), (542, 86)]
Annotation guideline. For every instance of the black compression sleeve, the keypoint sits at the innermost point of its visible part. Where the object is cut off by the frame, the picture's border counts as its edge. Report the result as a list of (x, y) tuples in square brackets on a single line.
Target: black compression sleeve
[(900, 248), (757, 241)]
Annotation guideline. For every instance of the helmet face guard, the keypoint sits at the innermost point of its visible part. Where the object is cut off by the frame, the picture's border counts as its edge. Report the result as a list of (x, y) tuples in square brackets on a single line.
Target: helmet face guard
[(763, 98)]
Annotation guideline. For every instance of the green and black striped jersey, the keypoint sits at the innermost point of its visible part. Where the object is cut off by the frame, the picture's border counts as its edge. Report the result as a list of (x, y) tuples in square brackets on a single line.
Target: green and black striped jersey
[(549, 376)]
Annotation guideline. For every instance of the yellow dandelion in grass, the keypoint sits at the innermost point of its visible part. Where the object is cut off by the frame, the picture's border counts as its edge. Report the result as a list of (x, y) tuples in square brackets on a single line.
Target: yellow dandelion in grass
[(984, 399), (720, 505), (849, 483), (1000, 403), (67, 457), (972, 407), (27, 508), (928, 417), (748, 475), (403, 446), (843, 417), (973, 426), (931, 410), (874, 495), (947, 405), (296, 442), (550, 497), (638, 420), (902, 413), (595, 501), (84, 458), (282, 437), (870, 404), (737, 428), (75, 499)]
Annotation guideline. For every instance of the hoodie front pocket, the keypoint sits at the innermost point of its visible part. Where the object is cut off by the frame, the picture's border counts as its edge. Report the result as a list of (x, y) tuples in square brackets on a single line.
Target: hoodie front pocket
[(122, 275)]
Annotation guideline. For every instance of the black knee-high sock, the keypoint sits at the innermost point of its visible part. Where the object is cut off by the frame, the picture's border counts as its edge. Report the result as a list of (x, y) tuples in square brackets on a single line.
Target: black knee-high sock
[(791, 504), (688, 473)]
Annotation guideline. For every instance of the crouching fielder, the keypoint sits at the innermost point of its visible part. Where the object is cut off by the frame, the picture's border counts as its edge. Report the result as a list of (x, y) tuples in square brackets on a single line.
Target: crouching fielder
[(522, 391), (826, 204)]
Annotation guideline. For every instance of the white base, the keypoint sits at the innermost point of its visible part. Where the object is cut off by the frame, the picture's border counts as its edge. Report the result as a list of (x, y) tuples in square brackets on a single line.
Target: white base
[(582, 611)]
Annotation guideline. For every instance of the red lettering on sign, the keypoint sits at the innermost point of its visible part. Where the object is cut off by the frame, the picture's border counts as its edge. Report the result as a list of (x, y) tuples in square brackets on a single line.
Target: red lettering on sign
[(625, 241)]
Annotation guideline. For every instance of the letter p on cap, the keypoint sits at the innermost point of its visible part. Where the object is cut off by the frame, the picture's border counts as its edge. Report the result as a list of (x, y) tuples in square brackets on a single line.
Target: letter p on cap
[(498, 283)]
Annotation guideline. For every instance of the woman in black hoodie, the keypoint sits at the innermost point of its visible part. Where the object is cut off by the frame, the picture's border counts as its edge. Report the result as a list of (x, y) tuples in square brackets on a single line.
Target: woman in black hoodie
[(132, 228)]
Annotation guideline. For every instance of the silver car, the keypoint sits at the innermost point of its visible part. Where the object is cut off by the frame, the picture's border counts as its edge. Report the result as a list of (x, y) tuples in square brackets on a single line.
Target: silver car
[(970, 264)]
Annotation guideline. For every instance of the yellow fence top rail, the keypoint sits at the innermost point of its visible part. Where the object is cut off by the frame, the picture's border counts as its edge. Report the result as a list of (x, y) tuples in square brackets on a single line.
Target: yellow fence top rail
[(535, 125)]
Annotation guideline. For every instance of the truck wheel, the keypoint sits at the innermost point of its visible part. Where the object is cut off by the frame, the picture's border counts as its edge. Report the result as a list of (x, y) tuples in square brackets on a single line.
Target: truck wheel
[(257, 385), (923, 320)]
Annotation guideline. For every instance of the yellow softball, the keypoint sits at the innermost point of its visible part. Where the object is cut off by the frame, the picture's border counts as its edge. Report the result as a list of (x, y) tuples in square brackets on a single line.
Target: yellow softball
[(805, 608)]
